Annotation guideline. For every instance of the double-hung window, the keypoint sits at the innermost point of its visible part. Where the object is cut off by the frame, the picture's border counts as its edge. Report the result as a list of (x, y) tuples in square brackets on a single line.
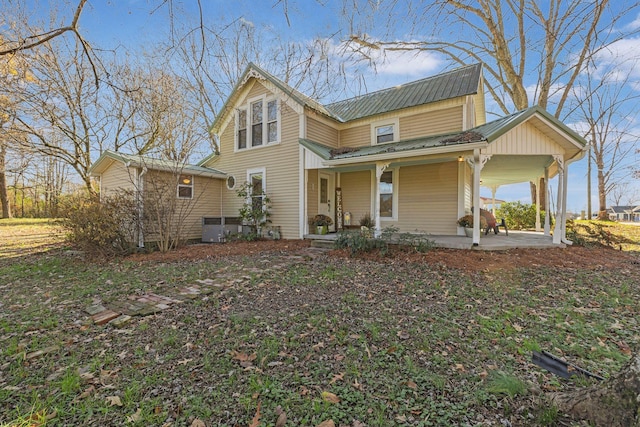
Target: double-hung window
[(257, 123), (242, 129), (185, 187), (386, 195), (385, 131), (256, 179)]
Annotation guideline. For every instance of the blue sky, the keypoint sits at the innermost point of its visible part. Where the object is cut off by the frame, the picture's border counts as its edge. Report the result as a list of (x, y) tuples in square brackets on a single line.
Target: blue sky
[(133, 25)]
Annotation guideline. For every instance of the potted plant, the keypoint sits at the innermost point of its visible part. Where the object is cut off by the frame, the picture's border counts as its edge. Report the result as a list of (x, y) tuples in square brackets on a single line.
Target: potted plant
[(367, 224), (322, 223), (467, 222)]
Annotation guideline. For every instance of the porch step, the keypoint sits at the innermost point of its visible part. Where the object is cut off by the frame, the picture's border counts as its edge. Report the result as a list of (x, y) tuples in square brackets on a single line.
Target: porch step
[(324, 244)]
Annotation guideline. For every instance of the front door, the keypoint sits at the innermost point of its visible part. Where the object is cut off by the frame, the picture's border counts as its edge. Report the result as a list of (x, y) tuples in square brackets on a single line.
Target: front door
[(326, 194)]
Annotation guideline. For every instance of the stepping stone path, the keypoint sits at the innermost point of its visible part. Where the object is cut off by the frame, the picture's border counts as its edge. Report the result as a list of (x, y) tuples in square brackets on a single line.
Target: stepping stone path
[(118, 313)]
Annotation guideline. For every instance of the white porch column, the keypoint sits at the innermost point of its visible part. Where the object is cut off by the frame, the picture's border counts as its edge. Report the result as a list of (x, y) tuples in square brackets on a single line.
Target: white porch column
[(538, 190), (557, 231), (494, 189), (547, 213), (380, 168), (479, 160), (564, 205)]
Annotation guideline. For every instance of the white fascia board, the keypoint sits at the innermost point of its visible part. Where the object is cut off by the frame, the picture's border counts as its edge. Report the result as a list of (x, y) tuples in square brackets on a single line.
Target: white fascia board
[(400, 155)]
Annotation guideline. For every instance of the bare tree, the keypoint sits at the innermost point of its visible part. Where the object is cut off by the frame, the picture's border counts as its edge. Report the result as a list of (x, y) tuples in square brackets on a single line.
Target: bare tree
[(608, 107), (512, 38)]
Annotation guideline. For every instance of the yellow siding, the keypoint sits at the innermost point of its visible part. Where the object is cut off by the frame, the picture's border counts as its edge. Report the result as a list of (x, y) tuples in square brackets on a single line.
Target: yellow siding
[(117, 178), (160, 189), (524, 139), (322, 133), (356, 136), (312, 193), (468, 189), (427, 198), (431, 123), (281, 164), (356, 194)]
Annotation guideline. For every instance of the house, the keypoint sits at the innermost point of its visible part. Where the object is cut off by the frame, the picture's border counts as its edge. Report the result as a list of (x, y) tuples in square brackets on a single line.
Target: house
[(412, 156), (624, 213)]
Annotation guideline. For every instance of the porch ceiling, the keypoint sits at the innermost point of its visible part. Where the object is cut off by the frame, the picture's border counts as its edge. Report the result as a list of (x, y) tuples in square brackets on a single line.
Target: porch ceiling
[(503, 170)]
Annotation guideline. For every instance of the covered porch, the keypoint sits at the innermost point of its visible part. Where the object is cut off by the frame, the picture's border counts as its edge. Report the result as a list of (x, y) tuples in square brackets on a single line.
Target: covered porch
[(491, 242), (424, 185)]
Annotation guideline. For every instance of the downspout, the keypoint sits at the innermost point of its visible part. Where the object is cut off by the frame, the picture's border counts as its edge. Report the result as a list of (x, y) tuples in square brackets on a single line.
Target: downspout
[(141, 206)]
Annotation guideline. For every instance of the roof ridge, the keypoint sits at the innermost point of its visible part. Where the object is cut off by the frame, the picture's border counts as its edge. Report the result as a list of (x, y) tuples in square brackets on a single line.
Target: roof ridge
[(411, 83)]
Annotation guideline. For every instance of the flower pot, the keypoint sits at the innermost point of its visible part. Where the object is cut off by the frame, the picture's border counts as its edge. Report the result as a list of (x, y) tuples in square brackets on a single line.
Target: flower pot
[(322, 229), (468, 231)]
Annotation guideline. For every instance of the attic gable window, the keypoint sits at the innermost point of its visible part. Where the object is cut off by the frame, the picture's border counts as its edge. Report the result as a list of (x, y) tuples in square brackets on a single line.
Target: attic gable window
[(384, 132), (257, 123)]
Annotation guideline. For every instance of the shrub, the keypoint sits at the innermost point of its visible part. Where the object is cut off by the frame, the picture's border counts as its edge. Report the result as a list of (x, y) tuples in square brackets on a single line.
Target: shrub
[(359, 242), (102, 228), (518, 215), (255, 211)]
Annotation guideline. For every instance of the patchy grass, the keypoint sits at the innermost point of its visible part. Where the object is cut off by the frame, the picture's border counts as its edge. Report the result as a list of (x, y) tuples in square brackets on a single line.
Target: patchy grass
[(618, 235), (26, 236), (406, 340)]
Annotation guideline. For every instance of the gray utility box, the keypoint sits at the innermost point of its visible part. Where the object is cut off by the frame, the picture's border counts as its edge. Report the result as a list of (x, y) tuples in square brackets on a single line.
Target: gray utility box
[(216, 229), (212, 229)]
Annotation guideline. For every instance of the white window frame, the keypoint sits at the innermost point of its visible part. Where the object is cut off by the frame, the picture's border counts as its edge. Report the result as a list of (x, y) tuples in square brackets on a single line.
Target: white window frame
[(258, 171), (395, 174), (180, 185), (395, 122), (265, 123)]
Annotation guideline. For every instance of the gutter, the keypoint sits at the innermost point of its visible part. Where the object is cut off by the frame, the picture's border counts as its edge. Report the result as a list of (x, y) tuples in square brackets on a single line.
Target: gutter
[(402, 154)]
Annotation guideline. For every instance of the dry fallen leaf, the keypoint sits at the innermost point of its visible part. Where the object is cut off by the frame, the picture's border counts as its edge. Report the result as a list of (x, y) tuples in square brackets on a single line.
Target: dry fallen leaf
[(330, 397), (114, 401), (198, 423), (256, 418), (327, 423), (282, 419), (337, 377), (134, 418), (412, 385), (243, 357)]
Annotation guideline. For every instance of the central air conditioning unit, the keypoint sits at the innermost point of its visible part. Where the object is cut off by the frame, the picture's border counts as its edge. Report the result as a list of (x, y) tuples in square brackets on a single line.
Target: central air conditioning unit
[(212, 229)]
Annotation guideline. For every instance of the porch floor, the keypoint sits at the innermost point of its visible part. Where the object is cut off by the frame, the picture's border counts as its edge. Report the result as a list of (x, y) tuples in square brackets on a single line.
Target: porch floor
[(490, 242)]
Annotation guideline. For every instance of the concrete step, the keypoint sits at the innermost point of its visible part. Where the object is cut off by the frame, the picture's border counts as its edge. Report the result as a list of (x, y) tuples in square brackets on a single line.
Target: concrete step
[(324, 244)]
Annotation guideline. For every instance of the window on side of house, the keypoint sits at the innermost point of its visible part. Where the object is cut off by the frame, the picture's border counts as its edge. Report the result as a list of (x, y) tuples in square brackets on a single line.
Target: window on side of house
[(185, 187), (258, 123), (385, 131), (386, 195), (385, 134), (242, 128), (257, 190), (272, 121)]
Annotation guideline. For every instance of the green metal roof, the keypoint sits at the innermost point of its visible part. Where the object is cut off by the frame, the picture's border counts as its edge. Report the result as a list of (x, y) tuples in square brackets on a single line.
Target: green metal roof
[(151, 163), (328, 153), (459, 82)]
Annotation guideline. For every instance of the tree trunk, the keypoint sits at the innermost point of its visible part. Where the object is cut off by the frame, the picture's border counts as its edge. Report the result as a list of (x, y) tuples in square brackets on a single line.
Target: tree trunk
[(614, 403), (4, 194), (602, 196)]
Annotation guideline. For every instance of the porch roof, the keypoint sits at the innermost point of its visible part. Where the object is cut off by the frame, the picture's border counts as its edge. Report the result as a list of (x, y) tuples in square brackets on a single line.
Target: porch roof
[(108, 157), (458, 142)]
